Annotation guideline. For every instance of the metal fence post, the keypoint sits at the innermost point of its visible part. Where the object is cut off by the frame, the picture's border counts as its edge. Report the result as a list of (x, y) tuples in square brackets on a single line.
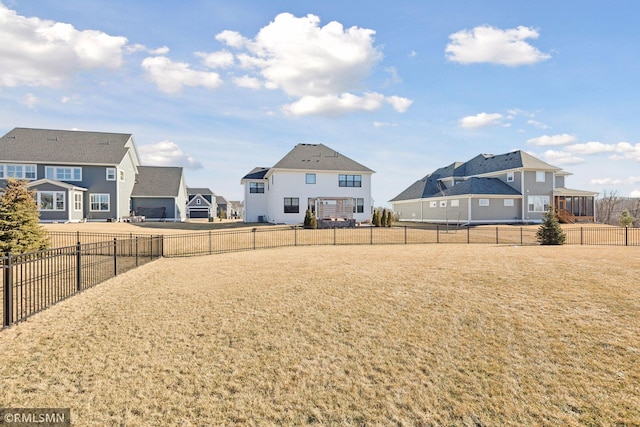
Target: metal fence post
[(115, 256), (334, 236), (137, 249), (405, 234), (209, 242), (78, 267), (581, 236), (468, 234), (497, 241), (437, 234), (8, 291), (371, 234), (521, 240), (295, 236), (626, 236)]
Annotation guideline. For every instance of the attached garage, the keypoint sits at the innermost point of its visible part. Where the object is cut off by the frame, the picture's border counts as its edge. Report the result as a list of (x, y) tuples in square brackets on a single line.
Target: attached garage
[(198, 213)]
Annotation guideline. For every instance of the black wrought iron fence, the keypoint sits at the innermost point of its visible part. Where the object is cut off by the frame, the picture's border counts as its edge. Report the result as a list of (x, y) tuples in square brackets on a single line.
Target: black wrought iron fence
[(32, 282)]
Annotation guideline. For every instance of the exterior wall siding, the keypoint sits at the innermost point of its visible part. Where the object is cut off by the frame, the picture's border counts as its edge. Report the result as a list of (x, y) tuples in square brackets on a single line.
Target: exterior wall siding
[(293, 184), (496, 212), (168, 203), (255, 203), (125, 187)]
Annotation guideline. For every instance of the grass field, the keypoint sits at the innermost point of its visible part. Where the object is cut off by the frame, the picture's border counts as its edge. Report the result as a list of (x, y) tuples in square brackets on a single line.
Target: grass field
[(467, 335)]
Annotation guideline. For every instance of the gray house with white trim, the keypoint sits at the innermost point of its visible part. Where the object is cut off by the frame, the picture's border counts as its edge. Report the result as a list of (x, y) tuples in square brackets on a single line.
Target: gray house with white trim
[(507, 188), (201, 203), (78, 175)]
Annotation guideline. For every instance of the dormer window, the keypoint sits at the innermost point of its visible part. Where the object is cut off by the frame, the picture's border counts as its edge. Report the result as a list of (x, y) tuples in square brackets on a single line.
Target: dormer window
[(510, 177)]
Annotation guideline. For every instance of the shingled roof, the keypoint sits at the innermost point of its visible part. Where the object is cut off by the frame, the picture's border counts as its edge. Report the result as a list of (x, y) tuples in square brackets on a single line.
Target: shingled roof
[(157, 181), (256, 173), (318, 157), (431, 186), (64, 146)]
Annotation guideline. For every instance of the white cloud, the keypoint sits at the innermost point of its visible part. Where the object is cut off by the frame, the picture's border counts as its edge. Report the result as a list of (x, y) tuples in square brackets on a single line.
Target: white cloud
[(221, 59), (171, 77), (629, 151), (333, 105), (537, 124), (383, 124), (480, 120), (493, 45), (399, 103), (616, 181), (167, 153), (321, 66), (37, 52), (31, 100), (561, 158), (635, 193), (592, 147), (233, 39), (552, 140), (247, 82)]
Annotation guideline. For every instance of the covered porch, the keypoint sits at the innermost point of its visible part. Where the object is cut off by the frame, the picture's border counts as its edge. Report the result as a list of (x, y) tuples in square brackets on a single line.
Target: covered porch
[(332, 212), (574, 206)]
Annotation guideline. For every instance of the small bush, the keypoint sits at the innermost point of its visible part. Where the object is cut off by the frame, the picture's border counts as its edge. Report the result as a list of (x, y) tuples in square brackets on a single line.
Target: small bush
[(550, 232)]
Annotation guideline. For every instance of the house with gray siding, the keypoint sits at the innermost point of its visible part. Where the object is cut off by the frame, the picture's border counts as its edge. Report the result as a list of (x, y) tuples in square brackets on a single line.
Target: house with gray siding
[(507, 188), (78, 175), (201, 203)]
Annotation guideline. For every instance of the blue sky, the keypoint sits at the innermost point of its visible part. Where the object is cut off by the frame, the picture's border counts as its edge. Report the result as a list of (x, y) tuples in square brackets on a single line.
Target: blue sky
[(404, 87)]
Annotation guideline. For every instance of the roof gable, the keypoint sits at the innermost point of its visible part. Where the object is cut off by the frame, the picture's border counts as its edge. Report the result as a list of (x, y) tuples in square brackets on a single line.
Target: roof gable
[(65, 146), (157, 181)]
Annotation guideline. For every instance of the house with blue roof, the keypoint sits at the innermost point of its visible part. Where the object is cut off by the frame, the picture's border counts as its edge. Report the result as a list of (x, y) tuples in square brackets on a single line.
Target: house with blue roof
[(507, 188)]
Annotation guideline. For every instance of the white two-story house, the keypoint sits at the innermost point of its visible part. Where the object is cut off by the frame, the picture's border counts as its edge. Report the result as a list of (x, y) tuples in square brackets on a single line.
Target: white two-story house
[(493, 189), (311, 176)]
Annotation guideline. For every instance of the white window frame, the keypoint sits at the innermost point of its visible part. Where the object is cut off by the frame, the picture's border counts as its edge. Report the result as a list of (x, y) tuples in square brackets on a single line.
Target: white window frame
[(455, 203), (433, 204), (443, 203), (483, 202), (77, 202), (122, 174), (59, 173), (20, 171), (56, 198), (538, 203), (99, 202), (510, 177), (111, 174), (310, 178), (541, 176), (509, 202)]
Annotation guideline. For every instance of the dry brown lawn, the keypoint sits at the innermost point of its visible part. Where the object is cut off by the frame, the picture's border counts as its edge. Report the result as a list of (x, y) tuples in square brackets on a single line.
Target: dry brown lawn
[(462, 335)]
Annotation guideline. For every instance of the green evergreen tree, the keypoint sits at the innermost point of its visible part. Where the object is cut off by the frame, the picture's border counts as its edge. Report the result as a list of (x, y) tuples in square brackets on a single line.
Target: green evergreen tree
[(383, 218), (389, 218), (310, 220), (550, 232), (19, 216), (376, 218), (625, 219)]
